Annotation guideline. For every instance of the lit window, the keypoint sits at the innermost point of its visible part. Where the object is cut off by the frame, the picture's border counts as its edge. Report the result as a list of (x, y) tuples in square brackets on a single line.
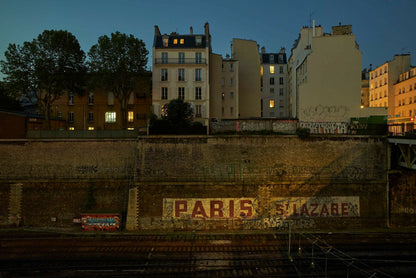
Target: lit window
[(271, 69), (110, 117), (165, 42), (71, 128), (130, 128), (261, 70), (130, 116), (163, 110), (175, 41), (222, 95), (90, 128), (271, 103), (182, 41)]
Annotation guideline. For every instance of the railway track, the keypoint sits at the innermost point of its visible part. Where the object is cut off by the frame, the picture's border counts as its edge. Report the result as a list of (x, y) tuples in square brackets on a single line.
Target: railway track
[(206, 256)]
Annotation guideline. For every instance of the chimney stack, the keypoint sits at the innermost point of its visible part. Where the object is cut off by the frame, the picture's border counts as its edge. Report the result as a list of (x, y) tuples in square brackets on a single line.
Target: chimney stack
[(192, 31)]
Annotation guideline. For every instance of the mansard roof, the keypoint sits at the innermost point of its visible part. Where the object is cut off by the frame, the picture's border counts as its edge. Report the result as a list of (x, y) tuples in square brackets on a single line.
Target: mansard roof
[(189, 41)]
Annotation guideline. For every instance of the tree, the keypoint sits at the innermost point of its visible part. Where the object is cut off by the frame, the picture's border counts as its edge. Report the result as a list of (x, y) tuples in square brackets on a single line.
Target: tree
[(179, 114), (117, 64), (46, 67)]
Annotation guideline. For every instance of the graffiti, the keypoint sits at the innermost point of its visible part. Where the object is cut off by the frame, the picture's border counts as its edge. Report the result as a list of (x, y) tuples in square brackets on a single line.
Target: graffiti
[(326, 127), (404, 210), (321, 112), (100, 222), (86, 169)]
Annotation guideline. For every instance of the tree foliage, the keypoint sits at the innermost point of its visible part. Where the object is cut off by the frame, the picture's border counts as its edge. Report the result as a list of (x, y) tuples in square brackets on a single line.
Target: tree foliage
[(46, 67), (117, 63), (179, 114)]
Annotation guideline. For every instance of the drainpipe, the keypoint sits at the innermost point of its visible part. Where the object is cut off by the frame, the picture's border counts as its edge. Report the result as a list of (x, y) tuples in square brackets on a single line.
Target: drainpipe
[(388, 185)]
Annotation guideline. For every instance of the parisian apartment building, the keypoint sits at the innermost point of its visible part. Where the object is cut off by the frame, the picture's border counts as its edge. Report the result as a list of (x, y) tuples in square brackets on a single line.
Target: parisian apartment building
[(324, 75), (382, 85), (274, 97)]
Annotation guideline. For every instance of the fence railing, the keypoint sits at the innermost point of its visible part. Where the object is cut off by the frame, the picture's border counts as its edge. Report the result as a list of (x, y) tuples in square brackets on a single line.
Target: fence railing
[(402, 129), (81, 134), (180, 61)]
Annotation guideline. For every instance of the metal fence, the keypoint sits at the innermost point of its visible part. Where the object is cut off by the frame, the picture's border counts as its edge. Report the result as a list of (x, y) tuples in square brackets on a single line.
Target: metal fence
[(81, 134)]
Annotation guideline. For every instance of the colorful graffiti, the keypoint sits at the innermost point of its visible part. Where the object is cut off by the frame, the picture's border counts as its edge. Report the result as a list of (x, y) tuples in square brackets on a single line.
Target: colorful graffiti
[(100, 222)]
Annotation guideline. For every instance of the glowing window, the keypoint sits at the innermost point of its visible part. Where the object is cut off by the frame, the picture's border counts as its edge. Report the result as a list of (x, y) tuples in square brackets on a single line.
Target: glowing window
[(110, 117), (271, 103), (71, 128), (175, 41), (272, 69), (182, 41), (130, 116), (90, 128)]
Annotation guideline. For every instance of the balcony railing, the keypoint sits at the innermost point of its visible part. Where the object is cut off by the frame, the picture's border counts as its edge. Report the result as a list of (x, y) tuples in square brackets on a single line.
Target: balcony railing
[(173, 61)]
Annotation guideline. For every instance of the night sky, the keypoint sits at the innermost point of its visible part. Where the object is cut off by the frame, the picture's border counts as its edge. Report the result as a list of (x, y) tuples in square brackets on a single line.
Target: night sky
[(383, 28)]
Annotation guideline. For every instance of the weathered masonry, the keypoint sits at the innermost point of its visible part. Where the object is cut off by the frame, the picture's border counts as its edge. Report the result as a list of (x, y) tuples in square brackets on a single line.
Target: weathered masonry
[(257, 182), (204, 183)]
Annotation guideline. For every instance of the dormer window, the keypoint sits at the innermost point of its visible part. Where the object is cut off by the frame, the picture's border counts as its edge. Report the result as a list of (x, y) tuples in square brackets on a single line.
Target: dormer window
[(198, 40), (182, 41), (165, 41), (175, 41)]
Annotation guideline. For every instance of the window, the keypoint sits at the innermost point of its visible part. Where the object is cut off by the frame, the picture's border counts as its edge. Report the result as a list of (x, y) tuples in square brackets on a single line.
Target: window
[(110, 98), (222, 67), (410, 88), (271, 80), (271, 103), (90, 128), (198, 58), (231, 67), (271, 69), (181, 58), (271, 59), (272, 90), (60, 115), (280, 91), (164, 93), (71, 128), (91, 99), (90, 116), (181, 92), (182, 41), (130, 116), (198, 40), (280, 69), (110, 117), (70, 98), (222, 82), (198, 93), (231, 82), (175, 41), (70, 116), (231, 95), (181, 74), (222, 95), (281, 80), (198, 75), (164, 74), (198, 111), (231, 110), (164, 57), (165, 42)]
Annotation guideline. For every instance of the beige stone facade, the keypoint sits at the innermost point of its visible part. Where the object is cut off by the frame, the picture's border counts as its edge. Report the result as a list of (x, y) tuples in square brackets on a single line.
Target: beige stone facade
[(405, 97), (325, 75), (382, 80), (274, 97), (181, 70), (224, 89), (247, 53)]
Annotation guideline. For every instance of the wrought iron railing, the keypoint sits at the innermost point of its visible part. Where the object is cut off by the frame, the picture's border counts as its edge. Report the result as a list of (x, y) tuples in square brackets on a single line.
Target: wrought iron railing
[(180, 61)]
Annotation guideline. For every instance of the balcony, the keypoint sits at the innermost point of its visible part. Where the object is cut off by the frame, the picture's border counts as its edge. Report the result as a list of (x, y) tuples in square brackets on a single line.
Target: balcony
[(180, 61)]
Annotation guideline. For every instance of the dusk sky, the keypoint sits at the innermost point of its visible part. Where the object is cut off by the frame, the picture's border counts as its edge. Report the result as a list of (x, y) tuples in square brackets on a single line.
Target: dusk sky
[(383, 28)]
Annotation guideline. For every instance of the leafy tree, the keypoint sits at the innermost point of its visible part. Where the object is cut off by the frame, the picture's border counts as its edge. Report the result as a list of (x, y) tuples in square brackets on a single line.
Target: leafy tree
[(7, 101), (179, 114), (46, 67), (117, 64)]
